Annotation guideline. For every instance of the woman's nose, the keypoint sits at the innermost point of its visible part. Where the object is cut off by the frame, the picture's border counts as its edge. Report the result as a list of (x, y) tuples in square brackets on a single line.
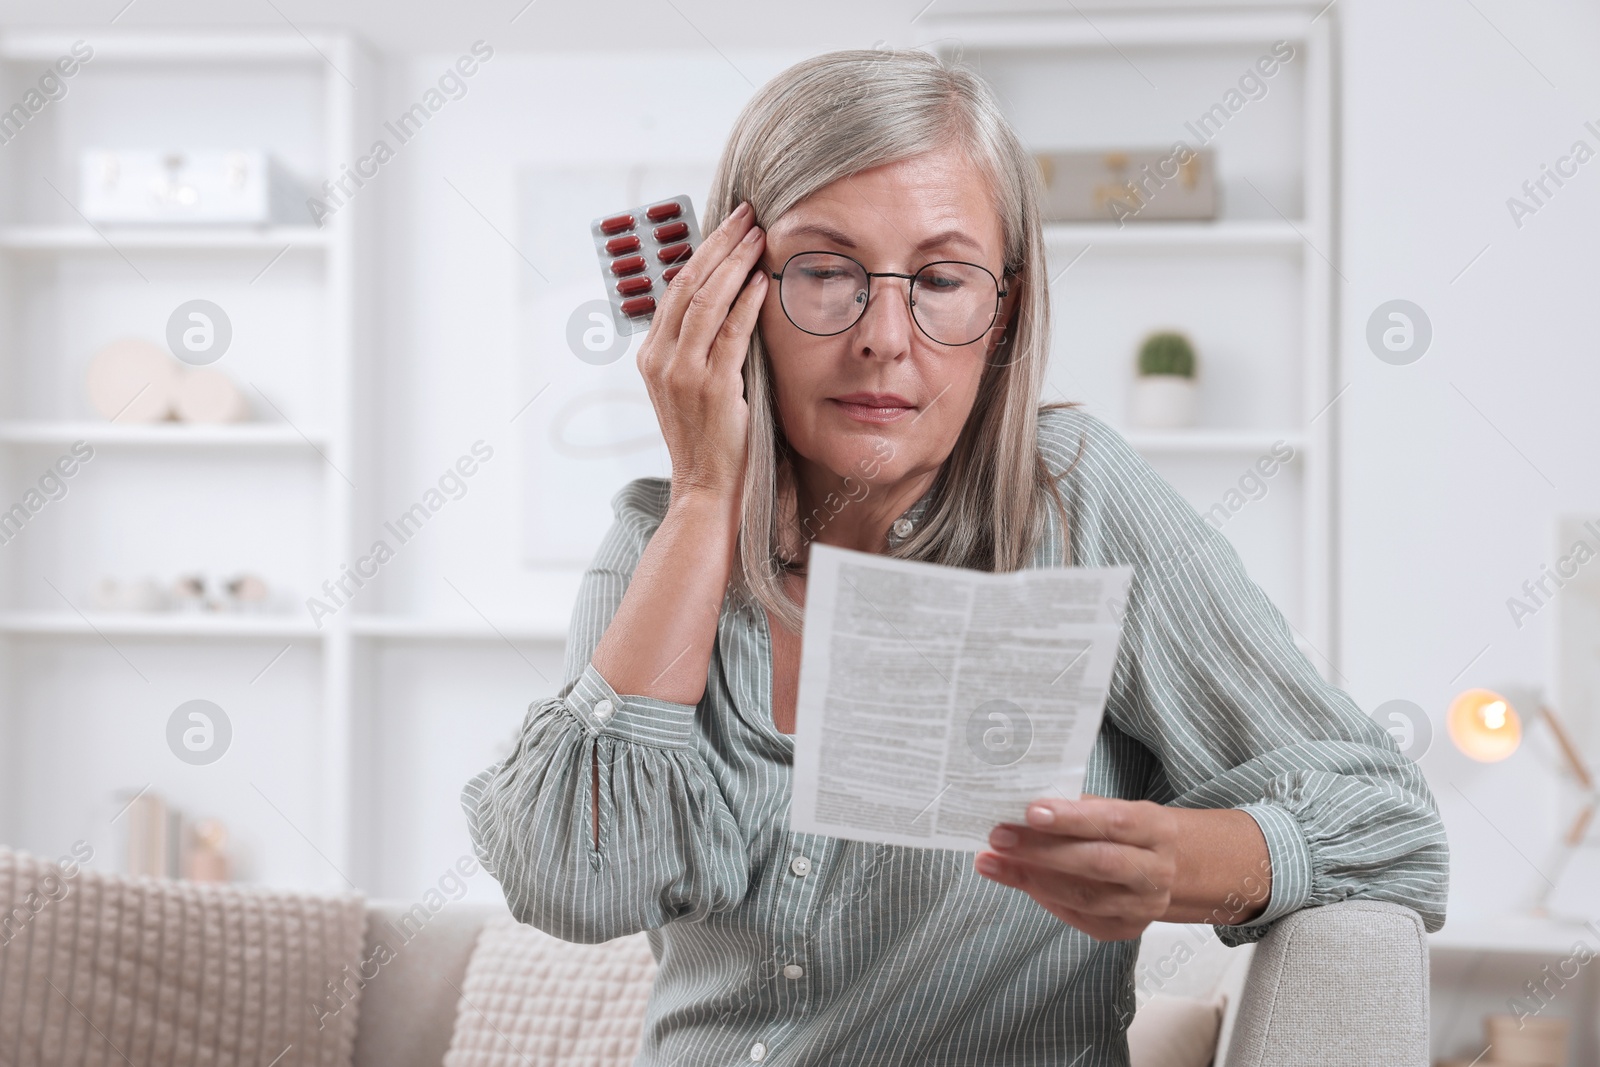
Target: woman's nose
[(885, 327)]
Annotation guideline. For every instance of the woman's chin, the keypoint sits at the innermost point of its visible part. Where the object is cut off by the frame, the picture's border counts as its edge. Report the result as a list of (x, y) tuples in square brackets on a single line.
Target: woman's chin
[(872, 464)]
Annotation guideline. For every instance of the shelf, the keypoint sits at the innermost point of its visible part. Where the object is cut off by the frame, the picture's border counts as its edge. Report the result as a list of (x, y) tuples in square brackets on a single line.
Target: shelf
[(187, 624), (160, 238), (171, 46), (263, 435), (404, 628), (156, 624), (1212, 442), (1031, 32), (1266, 233), (1512, 934)]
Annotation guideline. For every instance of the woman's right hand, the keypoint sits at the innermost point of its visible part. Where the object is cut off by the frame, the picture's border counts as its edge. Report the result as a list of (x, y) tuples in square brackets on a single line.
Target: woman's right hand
[(693, 359)]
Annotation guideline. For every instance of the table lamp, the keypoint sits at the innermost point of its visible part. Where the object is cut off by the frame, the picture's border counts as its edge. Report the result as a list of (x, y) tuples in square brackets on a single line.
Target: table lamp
[(1487, 726)]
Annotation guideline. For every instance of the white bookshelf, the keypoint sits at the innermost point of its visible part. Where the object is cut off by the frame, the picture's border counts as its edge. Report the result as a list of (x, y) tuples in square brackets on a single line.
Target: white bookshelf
[(255, 435), (1247, 443), (158, 624), (71, 238), (1128, 80), (409, 628), (1221, 234), (333, 723), (272, 495)]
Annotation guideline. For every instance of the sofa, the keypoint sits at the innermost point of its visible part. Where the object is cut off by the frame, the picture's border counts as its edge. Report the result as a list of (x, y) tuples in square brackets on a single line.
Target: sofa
[(1338, 986), (159, 971)]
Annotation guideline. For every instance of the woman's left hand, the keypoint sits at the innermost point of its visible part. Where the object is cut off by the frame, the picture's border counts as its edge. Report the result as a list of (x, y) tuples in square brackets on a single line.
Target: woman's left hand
[(1105, 866)]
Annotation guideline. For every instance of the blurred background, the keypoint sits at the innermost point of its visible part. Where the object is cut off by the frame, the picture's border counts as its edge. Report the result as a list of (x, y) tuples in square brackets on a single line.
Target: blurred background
[(283, 282)]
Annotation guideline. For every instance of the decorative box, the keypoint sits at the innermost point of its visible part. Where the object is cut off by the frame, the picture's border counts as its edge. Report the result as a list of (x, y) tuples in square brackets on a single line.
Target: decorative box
[(240, 187)]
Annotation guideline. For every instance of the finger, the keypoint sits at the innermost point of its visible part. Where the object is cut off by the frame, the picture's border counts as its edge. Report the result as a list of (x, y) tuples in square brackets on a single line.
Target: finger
[(1100, 928), (708, 307), (1131, 822), (1100, 860), (1107, 915), (733, 340), (713, 250), (1081, 894)]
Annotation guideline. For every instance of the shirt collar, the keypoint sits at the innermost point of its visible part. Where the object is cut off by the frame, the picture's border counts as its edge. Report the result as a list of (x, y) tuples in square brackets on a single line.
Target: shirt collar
[(898, 530)]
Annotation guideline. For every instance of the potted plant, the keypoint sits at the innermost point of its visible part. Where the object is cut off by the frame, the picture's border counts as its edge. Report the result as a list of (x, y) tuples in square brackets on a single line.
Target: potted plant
[(1164, 394)]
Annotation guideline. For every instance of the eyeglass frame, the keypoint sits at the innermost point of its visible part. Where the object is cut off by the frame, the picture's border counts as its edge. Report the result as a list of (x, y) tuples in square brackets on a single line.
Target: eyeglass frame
[(911, 304)]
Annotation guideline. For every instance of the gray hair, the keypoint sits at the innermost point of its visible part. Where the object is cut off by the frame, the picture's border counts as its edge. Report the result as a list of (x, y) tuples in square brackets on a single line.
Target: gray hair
[(832, 116)]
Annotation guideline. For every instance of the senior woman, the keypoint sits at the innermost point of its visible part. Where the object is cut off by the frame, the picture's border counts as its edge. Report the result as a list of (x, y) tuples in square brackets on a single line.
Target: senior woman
[(855, 355)]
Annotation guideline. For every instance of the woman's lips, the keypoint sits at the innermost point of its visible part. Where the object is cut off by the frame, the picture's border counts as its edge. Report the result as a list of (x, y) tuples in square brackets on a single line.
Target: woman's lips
[(877, 409)]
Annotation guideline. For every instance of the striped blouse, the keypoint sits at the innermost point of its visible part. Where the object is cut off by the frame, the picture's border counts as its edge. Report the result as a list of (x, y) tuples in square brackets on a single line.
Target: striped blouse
[(787, 948)]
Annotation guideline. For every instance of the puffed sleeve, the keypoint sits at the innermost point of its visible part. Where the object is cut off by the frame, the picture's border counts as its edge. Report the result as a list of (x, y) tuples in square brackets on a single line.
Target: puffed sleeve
[(669, 847), (1211, 682)]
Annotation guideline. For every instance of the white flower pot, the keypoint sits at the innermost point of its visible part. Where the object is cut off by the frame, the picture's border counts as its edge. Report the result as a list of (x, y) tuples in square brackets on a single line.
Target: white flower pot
[(1163, 402)]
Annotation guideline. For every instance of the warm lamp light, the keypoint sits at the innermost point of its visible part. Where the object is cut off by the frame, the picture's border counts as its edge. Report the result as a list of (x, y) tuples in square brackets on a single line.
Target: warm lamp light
[(1484, 725)]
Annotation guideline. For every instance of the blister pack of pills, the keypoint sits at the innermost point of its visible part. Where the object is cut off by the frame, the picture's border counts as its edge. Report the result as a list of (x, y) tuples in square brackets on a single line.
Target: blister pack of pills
[(640, 251)]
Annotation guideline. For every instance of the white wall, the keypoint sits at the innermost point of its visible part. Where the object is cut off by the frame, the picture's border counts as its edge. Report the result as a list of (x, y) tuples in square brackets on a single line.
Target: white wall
[(1455, 466)]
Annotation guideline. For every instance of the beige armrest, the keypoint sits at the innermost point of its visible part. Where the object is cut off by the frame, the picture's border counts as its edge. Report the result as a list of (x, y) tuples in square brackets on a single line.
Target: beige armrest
[(1343, 985)]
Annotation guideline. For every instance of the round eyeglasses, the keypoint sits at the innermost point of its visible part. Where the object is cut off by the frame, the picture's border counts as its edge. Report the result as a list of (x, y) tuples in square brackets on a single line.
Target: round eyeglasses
[(826, 293)]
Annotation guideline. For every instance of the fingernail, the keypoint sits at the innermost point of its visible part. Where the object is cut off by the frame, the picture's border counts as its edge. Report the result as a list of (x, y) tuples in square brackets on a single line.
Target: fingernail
[(751, 235), (742, 210), (988, 865), (1002, 837), (1039, 815)]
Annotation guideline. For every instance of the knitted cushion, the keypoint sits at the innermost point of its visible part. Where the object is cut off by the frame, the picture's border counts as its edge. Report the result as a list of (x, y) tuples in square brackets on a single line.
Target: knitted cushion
[(107, 969), (531, 1000)]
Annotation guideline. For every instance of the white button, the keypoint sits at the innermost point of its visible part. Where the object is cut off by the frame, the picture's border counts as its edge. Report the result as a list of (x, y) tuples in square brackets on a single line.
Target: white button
[(758, 1052), (603, 710), (793, 970), (902, 527), (800, 865)]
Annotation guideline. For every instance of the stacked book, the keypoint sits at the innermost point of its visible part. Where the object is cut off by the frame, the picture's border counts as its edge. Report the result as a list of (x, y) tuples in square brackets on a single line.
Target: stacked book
[(159, 842)]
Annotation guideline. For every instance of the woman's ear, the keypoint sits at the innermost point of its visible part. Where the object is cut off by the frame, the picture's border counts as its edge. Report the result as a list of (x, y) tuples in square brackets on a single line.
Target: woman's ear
[(1008, 303), (1000, 333)]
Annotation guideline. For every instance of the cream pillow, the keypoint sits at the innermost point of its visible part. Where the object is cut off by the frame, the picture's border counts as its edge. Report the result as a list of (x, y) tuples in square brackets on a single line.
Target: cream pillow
[(530, 1000), (1175, 1031)]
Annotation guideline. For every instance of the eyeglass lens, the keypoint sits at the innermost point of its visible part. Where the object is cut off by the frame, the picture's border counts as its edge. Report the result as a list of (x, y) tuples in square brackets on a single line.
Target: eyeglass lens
[(825, 293)]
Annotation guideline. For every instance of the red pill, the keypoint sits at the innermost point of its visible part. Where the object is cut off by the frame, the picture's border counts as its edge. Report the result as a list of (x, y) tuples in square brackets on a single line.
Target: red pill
[(669, 274), (639, 305), (674, 253), (617, 223), (631, 265), (672, 231), (620, 245), (662, 212), (634, 286)]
